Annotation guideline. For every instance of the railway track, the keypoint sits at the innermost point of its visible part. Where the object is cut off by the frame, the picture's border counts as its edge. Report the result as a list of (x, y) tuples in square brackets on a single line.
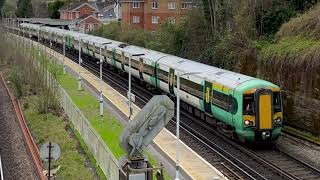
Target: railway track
[(18, 158), (1, 170), (234, 160)]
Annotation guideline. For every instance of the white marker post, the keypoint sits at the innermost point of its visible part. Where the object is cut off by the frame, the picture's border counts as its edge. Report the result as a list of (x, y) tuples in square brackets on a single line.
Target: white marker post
[(178, 123)]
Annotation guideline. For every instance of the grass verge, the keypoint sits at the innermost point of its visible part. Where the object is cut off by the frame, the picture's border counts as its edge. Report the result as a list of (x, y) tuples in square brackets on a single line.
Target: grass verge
[(53, 128), (302, 134), (108, 127)]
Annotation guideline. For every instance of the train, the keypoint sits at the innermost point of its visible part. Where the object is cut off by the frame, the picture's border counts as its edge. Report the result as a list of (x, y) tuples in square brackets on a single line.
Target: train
[(248, 108)]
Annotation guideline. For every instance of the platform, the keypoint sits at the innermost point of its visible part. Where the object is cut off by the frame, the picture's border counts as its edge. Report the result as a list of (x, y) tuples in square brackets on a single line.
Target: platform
[(192, 165)]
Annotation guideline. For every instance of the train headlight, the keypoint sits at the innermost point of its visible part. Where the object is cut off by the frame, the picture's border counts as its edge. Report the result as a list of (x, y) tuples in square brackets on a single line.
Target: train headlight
[(247, 122), (277, 121)]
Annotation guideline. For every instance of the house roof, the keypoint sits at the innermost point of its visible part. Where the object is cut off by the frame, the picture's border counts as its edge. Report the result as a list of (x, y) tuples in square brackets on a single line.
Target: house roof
[(131, 1), (98, 6), (82, 18)]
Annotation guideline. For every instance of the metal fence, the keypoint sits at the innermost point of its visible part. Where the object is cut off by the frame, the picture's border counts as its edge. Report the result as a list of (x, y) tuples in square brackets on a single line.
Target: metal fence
[(104, 157)]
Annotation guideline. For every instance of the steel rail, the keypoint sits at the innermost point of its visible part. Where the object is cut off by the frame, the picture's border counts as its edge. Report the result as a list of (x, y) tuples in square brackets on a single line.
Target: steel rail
[(1, 170)]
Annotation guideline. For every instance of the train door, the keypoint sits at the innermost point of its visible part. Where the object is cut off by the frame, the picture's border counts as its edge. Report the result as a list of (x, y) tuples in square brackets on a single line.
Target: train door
[(114, 56), (123, 60), (141, 69), (207, 93), (154, 78), (171, 80), (264, 109)]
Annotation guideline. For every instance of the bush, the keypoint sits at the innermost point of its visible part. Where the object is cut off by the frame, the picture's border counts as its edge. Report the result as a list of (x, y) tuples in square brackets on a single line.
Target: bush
[(53, 8), (279, 13), (306, 25)]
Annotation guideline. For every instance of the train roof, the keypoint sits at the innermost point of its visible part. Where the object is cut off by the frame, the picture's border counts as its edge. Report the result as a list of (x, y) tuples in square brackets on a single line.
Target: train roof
[(146, 54), (209, 73)]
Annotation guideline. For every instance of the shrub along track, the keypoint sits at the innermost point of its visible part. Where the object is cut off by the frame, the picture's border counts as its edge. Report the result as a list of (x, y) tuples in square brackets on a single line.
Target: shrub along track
[(20, 159), (235, 161)]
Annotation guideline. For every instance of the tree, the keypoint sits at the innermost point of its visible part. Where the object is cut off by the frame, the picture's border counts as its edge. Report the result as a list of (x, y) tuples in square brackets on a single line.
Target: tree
[(1, 5), (24, 9), (9, 8), (40, 8), (53, 9)]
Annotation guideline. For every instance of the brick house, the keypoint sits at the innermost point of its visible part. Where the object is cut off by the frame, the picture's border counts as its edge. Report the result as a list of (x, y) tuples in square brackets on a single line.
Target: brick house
[(149, 14), (89, 15)]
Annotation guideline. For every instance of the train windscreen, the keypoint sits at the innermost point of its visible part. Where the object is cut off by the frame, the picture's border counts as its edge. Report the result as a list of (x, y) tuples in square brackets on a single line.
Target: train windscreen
[(248, 104), (276, 102)]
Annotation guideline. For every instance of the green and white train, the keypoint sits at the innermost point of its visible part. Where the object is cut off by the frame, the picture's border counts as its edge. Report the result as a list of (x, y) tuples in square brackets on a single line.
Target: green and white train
[(248, 107)]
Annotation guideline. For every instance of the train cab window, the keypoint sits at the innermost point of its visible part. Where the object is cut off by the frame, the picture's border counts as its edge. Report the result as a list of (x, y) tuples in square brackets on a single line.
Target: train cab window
[(277, 102), (233, 105), (248, 104)]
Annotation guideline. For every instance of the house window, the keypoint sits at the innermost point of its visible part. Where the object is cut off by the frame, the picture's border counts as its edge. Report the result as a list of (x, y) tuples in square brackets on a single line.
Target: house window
[(136, 4), (155, 19), (155, 5), (172, 20), (100, 15), (77, 15), (183, 5), (135, 19), (171, 5), (91, 27)]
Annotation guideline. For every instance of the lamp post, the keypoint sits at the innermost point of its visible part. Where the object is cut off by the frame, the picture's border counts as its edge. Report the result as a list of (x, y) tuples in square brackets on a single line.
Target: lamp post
[(79, 75), (39, 42), (50, 41), (129, 88), (64, 55), (178, 122), (101, 80)]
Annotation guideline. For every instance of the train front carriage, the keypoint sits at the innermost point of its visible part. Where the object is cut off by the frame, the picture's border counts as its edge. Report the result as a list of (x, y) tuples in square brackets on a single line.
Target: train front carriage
[(261, 112)]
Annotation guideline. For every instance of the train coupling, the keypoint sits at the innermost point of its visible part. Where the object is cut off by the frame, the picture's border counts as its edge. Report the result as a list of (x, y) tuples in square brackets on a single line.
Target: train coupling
[(266, 135)]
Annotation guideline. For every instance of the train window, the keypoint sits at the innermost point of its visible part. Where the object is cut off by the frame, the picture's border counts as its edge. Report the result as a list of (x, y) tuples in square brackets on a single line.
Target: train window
[(191, 87), (163, 75), (248, 104), (134, 64), (233, 105), (221, 100), (148, 69), (277, 102)]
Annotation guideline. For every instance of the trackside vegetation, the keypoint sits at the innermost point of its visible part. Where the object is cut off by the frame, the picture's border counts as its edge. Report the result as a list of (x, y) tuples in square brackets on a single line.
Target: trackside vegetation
[(292, 61), (43, 115)]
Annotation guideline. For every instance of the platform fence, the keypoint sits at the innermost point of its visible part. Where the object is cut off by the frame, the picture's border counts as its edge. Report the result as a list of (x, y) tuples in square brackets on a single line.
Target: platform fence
[(103, 155)]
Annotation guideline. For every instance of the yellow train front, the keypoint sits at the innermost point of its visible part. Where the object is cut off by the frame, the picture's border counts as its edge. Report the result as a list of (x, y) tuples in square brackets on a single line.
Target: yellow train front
[(262, 112)]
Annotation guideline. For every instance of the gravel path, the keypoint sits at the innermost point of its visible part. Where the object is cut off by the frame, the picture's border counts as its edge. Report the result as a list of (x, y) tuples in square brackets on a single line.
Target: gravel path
[(16, 160), (307, 152)]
